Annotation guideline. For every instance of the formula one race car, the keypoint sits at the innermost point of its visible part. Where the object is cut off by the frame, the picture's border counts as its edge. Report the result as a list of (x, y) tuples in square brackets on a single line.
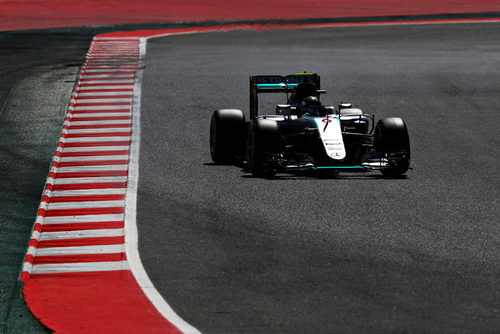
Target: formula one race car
[(303, 134)]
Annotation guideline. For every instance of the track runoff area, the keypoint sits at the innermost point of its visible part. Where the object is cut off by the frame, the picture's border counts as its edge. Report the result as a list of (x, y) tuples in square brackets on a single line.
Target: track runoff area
[(82, 271)]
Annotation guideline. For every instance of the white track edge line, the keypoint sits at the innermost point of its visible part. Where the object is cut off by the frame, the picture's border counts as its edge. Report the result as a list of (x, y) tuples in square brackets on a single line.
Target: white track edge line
[(131, 233)]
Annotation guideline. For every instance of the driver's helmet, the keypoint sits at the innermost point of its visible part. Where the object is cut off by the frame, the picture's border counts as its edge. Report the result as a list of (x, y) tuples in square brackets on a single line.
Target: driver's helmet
[(303, 90), (311, 106)]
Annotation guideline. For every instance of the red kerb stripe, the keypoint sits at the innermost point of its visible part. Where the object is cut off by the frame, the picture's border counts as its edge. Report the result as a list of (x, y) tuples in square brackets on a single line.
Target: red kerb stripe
[(83, 186), (104, 90), (81, 242), (107, 49), (121, 105), (98, 143), (92, 163), (109, 275), (117, 84), (80, 258), (107, 72), (87, 198), (94, 153), (120, 65), (113, 62), (105, 118), (83, 103), (98, 134), (83, 212), (99, 126), (129, 66), (96, 97), (76, 112), (106, 78), (104, 173), (82, 226)]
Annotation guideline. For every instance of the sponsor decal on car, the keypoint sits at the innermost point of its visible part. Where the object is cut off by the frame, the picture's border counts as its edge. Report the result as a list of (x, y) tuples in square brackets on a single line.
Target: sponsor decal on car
[(331, 136)]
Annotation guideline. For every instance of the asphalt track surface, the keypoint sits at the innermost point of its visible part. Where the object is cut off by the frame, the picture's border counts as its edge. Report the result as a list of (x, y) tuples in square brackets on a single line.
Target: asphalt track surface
[(352, 253)]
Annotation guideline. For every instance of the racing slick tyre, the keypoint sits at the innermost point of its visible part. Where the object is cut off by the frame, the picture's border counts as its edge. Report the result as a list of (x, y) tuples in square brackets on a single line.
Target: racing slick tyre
[(264, 148), (227, 135), (391, 139)]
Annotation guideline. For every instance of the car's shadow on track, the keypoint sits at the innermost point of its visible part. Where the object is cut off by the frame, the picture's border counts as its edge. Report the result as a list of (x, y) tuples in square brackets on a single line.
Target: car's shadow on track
[(314, 175), (340, 176)]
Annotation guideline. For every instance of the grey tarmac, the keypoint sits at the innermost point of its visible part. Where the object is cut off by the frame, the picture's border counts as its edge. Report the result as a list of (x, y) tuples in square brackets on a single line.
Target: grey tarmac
[(353, 253)]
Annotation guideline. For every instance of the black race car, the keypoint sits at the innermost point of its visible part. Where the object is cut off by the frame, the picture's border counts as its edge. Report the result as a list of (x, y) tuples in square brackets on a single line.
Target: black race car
[(303, 134)]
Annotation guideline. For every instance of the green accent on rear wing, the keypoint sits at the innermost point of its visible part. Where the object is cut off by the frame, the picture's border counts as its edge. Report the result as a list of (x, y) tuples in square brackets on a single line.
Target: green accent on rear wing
[(280, 85), (303, 74)]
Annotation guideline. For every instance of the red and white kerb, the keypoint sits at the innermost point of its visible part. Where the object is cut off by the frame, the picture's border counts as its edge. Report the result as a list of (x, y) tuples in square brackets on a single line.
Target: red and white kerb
[(82, 271), (80, 222)]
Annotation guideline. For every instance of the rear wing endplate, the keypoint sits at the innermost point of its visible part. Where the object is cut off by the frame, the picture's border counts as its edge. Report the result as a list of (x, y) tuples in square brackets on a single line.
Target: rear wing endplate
[(276, 84)]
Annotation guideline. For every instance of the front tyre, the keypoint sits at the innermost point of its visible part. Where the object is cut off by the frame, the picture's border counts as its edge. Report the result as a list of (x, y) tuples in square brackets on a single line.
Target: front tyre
[(227, 135), (392, 140), (264, 148)]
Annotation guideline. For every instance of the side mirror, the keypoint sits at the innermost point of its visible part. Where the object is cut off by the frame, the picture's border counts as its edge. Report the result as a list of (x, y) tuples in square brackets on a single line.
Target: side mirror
[(344, 106), (283, 109), (330, 110)]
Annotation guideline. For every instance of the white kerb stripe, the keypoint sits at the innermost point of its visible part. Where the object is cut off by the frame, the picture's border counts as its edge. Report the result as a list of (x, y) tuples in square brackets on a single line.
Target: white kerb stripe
[(120, 121), (117, 70), (115, 107), (92, 139), (84, 219), (91, 168), (98, 114), (108, 76), (99, 130), (82, 87), (101, 150), (114, 46), (88, 82), (118, 67), (86, 205), (88, 192), (104, 100), (115, 58), (80, 250), (95, 158), (28, 267), (79, 267), (114, 50), (107, 94), (90, 180), (115, 232), (127, 60), (112, 59)]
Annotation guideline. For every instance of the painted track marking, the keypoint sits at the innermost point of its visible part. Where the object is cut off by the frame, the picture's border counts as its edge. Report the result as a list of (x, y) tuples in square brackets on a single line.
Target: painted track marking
[(83, 229)]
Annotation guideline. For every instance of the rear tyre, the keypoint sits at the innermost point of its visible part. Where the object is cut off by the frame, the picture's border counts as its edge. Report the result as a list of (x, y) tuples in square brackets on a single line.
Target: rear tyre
[(227, 135), (264, 148), (392, 140)]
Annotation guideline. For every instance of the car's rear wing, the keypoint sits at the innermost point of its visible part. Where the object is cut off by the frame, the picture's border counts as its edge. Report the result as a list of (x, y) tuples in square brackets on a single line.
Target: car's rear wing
[(276, 84)]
